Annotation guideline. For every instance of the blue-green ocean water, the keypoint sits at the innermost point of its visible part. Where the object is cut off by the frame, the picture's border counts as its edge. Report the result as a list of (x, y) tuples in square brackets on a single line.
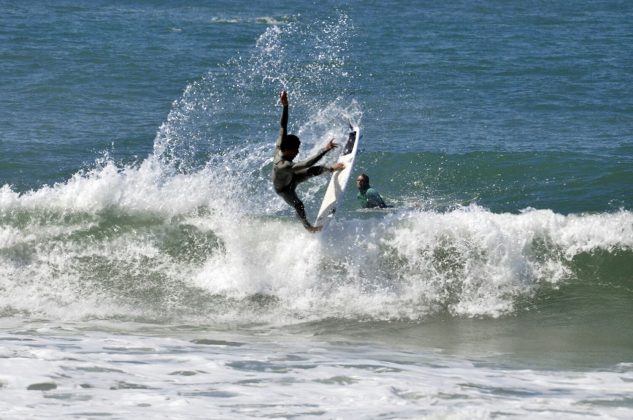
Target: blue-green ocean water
[(143, 251)]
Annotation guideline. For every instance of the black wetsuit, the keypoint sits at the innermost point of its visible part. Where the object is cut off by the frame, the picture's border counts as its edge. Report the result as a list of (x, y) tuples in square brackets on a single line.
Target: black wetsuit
[(288, 174)]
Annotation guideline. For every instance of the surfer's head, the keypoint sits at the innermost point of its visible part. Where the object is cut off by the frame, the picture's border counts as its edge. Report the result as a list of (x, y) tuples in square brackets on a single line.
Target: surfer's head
[(290, 146), (362, 182)]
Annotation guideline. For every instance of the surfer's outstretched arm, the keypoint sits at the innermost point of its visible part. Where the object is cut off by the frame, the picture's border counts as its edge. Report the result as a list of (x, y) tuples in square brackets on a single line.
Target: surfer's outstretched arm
[(283, 130), (305, 164)]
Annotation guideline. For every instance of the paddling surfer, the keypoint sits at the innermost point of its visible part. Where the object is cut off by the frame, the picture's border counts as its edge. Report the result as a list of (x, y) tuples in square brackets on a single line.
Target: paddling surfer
[(367, 196)]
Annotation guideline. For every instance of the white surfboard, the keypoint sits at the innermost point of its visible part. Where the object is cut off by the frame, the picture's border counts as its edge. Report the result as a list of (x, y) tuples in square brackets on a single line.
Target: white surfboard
[(338, 182)]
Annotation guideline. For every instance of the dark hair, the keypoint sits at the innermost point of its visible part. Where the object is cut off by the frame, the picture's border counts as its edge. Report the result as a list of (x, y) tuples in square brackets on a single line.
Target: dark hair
[(290, 142), (365, 177)]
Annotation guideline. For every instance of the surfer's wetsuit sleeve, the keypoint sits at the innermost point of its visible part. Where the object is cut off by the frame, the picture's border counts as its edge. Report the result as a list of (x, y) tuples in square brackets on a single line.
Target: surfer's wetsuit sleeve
[(301, 167), (374, 199), (370, 199), (282, 168), (283, 130)]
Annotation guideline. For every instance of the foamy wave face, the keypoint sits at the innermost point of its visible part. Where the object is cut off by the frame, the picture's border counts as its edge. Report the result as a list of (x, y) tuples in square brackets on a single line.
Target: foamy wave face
[(472, 262), (467, 262), (180, 249), (105, 240), (143, 188)]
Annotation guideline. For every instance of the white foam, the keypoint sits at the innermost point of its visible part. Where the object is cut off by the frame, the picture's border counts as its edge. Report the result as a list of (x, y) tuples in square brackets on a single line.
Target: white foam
[(61, 374), (470, 262), (401, 265), (142, 189)]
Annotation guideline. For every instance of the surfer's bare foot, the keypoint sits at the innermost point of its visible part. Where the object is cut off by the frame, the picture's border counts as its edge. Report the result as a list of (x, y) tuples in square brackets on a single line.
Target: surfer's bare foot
[(314, 229)]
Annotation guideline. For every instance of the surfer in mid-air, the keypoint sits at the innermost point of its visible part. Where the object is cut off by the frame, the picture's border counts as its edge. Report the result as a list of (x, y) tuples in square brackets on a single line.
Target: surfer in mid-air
[(287, 175)]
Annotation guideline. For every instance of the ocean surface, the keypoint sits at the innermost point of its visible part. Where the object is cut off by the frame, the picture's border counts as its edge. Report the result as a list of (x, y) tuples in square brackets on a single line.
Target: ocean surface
[(148, 270)]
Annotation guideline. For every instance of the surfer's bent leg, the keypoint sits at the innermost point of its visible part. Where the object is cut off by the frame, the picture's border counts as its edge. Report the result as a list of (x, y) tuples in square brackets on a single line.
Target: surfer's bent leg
[(308, 173), (291, 198)]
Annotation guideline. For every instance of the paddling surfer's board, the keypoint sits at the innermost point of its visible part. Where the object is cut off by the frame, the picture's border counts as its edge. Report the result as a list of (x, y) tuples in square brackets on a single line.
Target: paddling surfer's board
[(338, 182)]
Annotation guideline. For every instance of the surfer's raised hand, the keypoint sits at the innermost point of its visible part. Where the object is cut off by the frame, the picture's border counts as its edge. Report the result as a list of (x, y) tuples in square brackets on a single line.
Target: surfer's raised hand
[(337, 167), (283, 98), (331, 145)]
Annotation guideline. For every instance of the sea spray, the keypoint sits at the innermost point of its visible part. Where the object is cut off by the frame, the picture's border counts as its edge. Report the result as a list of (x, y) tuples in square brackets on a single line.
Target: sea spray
[(128, 239)]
